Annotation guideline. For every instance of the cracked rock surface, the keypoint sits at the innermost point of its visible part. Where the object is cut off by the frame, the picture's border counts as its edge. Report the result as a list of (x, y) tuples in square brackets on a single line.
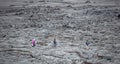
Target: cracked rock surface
[(70, 22)]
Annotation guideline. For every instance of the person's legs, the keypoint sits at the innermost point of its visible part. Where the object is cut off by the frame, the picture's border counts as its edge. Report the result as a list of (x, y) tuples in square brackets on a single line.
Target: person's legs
[(33, 45)]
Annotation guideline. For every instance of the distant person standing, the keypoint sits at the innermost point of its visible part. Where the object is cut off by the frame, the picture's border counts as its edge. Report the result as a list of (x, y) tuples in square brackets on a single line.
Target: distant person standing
[(33, 42), (87, 43), (54, 42)]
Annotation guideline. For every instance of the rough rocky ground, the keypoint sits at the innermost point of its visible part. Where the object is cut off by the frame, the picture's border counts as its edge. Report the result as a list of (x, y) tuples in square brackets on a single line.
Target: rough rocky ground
[(70, 22)]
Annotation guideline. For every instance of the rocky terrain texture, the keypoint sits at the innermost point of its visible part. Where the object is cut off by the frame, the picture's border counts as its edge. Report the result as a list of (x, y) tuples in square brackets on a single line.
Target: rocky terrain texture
[(70, 22)]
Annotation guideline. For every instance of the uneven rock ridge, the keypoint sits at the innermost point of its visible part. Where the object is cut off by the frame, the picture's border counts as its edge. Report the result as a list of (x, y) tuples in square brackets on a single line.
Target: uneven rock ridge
[(61, 29)]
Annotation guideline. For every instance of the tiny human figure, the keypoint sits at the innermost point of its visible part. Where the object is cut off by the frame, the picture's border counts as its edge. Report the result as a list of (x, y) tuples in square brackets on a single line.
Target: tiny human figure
[(54, 42), (33, 43), (118, 16), (87, 43)]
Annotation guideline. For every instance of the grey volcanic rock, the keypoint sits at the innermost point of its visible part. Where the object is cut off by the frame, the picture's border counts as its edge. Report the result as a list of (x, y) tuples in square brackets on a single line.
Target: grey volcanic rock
[(70, 22)]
